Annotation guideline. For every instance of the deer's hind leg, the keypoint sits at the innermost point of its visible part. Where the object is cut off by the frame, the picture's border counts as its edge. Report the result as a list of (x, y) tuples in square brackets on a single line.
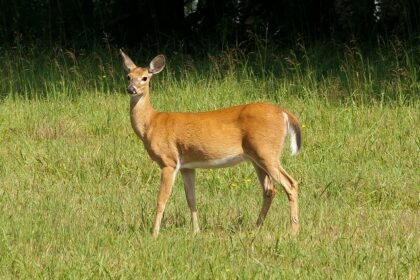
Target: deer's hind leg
[(268, 192), (290, 187), (269, 171)]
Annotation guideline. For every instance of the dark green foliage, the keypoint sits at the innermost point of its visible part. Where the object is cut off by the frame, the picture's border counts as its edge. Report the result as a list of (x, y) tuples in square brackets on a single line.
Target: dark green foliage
[(68, 22)]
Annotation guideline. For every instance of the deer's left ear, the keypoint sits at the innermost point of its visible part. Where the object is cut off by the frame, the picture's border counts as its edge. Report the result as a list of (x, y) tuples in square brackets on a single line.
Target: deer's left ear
[(127, 62), (157, 64)]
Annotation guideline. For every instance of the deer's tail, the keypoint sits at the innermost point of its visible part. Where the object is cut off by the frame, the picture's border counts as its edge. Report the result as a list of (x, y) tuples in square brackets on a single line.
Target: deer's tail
[(293, 129)]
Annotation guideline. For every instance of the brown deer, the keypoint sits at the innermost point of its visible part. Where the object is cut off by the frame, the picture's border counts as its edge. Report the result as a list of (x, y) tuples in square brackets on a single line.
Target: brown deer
[(215, 139)]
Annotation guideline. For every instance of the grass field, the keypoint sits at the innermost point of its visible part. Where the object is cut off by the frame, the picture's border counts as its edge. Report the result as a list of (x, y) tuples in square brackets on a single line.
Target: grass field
[(78, 191)]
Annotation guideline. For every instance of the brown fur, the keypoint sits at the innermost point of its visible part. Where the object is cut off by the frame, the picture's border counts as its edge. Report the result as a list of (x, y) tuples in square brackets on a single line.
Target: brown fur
[(254, 132)]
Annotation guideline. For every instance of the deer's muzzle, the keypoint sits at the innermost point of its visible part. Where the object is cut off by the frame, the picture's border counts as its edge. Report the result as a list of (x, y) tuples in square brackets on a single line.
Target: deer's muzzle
[(131, 89)]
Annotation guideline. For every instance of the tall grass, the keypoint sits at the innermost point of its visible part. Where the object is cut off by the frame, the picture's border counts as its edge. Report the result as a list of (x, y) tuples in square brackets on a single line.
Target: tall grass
[(78, 191), (340, 73)]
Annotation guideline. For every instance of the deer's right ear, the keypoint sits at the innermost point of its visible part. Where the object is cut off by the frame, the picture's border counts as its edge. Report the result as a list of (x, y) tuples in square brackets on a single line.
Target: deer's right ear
[(127, 62), (157, 64)]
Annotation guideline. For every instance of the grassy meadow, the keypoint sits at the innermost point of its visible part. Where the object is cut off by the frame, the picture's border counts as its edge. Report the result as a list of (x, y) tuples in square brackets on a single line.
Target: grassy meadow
[(78, 191)]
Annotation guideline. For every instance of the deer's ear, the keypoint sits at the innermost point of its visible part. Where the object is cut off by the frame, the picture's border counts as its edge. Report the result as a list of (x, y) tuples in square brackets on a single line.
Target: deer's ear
[(157, 64), (127, 62)]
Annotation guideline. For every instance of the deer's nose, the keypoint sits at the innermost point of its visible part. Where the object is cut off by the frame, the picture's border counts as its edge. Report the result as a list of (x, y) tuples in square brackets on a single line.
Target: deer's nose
[(131, 89)]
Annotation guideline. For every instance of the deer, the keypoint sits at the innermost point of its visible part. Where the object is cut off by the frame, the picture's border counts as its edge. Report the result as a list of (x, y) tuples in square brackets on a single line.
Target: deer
[(185, 141)]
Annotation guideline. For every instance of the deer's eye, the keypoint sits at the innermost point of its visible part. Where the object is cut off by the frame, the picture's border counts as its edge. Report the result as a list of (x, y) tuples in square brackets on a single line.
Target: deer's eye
[(144, 79), (128, 77)]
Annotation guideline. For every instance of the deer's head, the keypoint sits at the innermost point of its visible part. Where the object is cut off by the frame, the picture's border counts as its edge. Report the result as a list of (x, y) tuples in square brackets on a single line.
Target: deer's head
[(139, 77)]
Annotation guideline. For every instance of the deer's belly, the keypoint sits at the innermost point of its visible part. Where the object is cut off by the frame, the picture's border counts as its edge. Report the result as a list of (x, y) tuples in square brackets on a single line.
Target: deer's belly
[(214, 163)]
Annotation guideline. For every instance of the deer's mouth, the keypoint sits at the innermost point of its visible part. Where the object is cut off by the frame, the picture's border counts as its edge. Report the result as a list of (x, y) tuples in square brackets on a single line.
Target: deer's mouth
[(134, 91)]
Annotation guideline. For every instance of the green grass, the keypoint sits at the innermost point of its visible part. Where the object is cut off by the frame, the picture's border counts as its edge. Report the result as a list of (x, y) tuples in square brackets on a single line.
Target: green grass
[(78, 191)]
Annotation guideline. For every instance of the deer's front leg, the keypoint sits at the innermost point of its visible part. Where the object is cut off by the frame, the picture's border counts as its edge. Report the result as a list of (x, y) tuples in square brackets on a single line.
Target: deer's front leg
[(167, 178), (189, 184)]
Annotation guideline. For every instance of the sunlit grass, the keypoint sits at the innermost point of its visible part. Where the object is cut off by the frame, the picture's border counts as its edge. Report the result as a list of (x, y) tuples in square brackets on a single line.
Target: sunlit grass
[(78, 191)]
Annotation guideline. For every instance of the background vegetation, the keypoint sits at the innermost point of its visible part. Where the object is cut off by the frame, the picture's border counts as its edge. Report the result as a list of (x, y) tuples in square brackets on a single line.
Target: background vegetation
[(137, 22), (77, 189)]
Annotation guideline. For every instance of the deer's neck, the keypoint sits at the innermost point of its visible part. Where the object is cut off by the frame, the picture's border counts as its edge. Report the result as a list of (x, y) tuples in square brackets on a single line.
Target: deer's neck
[(141, 113)]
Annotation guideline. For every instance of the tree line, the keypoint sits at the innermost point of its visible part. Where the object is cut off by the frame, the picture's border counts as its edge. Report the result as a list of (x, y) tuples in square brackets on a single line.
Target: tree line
[(131, 21)]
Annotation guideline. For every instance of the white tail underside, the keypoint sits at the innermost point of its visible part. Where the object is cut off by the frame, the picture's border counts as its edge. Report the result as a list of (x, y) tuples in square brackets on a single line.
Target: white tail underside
[(292, 133)]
